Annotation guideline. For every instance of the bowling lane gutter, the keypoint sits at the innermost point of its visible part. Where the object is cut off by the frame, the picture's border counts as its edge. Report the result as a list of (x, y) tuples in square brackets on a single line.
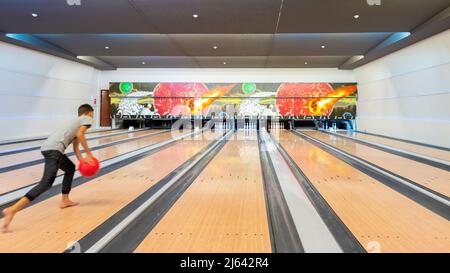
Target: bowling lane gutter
[(434, 201), (108, 165), (94, 148), (343, 236), (283, 232), (125, 230), (37, 147), (434, 162), (406, 141), (8, 142)]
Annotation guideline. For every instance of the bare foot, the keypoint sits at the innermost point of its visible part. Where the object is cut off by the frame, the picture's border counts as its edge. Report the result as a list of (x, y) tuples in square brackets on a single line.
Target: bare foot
[(8, 216), (67, 203)]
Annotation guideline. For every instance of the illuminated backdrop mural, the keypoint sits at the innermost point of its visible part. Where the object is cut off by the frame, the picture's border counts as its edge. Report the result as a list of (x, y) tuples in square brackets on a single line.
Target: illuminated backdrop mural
[(213, 99)]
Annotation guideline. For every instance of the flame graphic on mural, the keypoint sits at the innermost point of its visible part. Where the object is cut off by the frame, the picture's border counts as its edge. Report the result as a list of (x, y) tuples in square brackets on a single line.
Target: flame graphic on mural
[(319, 105), (196, 105)]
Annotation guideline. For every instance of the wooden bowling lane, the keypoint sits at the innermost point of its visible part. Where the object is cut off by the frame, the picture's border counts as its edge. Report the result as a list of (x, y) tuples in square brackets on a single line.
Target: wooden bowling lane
[(223, 210), (428, 176), (26, 176), (31, 143), (398, 144), (9, 160), (379, 217), (27, 144), (44, 227), (104, 132)]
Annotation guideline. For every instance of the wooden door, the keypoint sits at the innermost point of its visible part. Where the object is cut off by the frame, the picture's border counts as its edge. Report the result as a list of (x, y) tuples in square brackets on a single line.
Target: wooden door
[(105, 109)]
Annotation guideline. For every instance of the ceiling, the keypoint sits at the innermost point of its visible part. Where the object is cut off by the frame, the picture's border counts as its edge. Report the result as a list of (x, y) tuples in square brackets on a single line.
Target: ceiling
[(247, 33)]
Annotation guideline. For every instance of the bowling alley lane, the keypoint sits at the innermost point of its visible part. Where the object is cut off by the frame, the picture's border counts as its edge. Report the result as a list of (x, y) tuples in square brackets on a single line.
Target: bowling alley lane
[(104, 132), (9, 160), (223, 210), (32, 143), (44, 227), (26, 176), (398, 144), (423, 174), (380, 218)]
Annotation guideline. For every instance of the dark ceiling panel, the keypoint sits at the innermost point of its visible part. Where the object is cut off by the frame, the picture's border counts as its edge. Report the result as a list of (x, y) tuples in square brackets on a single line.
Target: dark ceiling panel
[(120, 44), (305, 61), (227, 44), (337, 15), (93, 16), (336, 44), (232, 62), (215, 16), (243, 30), (150, 61)]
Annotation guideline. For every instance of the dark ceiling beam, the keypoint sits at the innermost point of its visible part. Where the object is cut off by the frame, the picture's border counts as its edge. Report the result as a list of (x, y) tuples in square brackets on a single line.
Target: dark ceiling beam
[(437, 24), (38, 42), (443, 15), (34, 43), (351, 60), (97, 62)]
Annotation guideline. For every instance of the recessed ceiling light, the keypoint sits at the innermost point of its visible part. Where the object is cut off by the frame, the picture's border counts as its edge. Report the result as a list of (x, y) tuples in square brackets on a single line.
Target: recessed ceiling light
[(322, 46), (224, 62), (106, 47), (143, 62), (306, 62), (215, 47), (195, 15), (356, 16), (34, 15)]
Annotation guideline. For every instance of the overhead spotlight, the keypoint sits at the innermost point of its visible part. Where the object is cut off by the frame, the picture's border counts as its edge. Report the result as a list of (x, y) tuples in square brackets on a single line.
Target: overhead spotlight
[(306, 62), (143, 63), (106, 47), (224, 62), (34, 15), (195, 15), (356, 16), (322, 46), (215, 47)]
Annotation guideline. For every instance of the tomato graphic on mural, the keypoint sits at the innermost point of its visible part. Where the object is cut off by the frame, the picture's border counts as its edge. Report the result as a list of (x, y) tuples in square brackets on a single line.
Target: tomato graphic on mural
[(306, 99), (186, 98), (171, 98)]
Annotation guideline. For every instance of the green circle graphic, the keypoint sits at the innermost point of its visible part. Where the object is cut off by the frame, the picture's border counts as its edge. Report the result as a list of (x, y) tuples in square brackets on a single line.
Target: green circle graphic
[(248, 88), (125, 87)]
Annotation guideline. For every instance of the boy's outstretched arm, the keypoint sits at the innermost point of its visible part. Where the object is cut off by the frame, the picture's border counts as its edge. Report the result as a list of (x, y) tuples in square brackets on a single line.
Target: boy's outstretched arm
[(81, 138), (76, 150)]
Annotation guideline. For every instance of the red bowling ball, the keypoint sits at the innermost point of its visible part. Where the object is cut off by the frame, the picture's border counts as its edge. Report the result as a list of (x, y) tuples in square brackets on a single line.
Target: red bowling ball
[(88, 170)]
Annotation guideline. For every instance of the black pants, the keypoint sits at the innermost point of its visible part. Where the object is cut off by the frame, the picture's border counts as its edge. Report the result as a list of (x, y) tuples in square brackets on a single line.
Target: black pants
[(54, 160)]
